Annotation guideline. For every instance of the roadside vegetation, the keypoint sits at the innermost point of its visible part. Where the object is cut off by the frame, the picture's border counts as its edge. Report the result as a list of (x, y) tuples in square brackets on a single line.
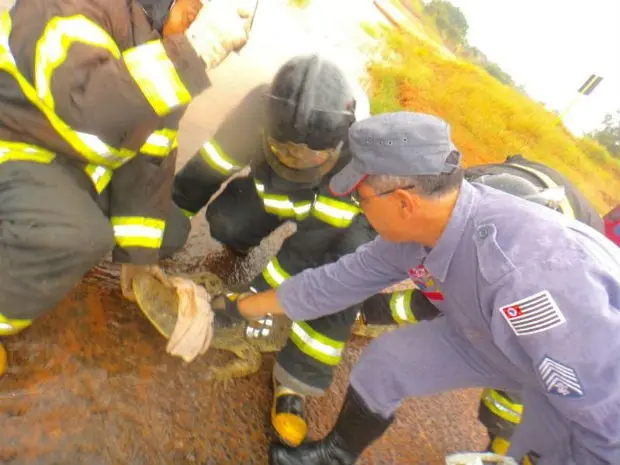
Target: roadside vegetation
[(490, 115)]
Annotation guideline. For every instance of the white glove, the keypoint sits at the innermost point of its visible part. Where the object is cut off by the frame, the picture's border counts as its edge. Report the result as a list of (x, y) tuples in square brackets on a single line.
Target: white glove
[(128, 272), (220, 28)]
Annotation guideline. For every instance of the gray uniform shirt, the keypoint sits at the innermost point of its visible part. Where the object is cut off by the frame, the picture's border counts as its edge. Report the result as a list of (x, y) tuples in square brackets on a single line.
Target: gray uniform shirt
[(536, 294)]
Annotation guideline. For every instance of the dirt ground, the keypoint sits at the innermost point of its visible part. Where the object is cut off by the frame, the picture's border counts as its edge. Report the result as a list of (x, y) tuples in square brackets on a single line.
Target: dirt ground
[(91, 383)]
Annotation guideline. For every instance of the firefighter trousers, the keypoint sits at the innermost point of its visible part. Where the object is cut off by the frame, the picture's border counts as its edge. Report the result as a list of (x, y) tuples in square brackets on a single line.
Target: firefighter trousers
[(237, 219), (53, 229)]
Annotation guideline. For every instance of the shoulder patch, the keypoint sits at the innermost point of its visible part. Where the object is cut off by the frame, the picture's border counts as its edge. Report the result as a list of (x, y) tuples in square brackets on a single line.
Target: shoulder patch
[(559, 379), (533, 314)]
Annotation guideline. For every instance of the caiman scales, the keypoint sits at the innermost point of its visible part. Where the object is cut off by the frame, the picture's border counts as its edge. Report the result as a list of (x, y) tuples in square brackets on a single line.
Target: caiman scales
[(159, 304)]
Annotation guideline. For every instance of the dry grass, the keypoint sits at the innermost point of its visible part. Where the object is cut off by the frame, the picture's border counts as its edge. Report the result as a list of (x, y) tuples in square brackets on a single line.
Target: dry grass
[(489, 120)]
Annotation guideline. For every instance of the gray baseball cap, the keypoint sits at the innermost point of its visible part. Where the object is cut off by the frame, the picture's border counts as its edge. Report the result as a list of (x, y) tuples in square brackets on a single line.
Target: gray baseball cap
[(398, 144)]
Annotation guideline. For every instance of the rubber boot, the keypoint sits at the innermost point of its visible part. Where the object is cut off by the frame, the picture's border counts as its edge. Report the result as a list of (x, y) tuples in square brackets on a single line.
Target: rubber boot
[(356, 428), (498, 445), (288, 415), (3, 360)]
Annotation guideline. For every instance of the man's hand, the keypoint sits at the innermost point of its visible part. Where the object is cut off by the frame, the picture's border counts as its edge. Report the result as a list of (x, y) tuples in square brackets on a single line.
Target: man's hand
[(220, 28), (128, 272)]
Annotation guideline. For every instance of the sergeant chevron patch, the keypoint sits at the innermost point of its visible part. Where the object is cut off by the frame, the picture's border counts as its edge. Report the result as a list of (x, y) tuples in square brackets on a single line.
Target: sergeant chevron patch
[(559, 379), (534, 314)]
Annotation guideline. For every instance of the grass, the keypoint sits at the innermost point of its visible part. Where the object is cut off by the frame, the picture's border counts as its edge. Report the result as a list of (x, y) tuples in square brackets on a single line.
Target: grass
[(489, 119)]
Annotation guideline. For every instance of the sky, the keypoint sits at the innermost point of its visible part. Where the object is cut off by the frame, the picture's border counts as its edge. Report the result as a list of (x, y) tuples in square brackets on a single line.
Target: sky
[(551, 47)]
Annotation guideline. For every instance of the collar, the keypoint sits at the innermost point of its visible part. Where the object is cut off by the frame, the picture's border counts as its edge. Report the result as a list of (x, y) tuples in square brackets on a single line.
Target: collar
[(438, 259)]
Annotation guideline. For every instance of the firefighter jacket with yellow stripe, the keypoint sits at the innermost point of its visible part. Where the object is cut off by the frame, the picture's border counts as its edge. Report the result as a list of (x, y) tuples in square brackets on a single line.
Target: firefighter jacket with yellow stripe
[(92, 83), (321, 218)]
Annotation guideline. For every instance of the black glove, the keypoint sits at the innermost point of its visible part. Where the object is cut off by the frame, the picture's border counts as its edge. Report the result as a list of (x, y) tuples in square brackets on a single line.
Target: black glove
[(226, 309)]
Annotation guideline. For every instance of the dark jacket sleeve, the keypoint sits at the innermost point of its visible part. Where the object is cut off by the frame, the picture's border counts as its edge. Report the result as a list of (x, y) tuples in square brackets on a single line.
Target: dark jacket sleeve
[(202, 176), (401, 307), (103, 69), (234, 145), (319, 239)]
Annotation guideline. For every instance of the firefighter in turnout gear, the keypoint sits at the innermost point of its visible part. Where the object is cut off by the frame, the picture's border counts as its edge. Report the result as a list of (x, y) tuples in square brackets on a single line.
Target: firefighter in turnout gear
[(295, 139), (500, 412), (92, 93)]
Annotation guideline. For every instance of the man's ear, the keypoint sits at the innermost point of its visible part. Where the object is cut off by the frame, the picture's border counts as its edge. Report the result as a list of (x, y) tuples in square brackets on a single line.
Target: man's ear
[(408, 201)]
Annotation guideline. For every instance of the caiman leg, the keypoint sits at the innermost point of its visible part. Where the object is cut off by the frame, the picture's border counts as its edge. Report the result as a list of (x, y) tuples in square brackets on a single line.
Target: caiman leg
[(248, 363)]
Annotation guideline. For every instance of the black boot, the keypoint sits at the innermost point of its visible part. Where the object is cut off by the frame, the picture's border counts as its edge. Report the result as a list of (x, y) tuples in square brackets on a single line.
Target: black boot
[(356, 428)]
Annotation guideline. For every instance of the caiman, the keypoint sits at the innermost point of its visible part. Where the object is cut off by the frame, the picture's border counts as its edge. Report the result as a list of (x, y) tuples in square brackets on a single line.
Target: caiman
[(159, 304)]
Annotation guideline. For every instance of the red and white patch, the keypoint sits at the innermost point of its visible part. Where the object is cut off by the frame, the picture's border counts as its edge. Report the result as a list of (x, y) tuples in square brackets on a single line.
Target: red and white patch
[(533, 314), (512, 311)]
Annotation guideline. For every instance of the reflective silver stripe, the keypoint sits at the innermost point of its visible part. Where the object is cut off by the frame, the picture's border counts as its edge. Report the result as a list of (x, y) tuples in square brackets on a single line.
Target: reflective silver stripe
[(126, 230), (100, 148), (159, 140), (138, 231), (156, 76), (217, 158), (399, 307), (315, 343), (274, 273), (333, 211)]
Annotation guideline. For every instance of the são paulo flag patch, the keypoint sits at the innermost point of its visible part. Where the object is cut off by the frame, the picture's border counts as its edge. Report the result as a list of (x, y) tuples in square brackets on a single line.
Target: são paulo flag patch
[(533, 314)]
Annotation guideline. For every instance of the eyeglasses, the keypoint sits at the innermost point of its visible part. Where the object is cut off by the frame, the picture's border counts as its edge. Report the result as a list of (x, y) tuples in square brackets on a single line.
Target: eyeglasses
[(355, 196)]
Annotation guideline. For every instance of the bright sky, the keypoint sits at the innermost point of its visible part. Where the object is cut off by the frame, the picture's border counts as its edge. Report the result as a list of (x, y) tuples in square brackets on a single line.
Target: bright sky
[(551, 47)]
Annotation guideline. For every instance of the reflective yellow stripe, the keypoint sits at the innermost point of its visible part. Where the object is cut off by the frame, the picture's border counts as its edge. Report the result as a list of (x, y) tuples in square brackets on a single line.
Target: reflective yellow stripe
[(502, 407), (281, 205), (100, 176), (212, 153), (54, 44), (565, 205), (337, 213), (160, 143), (88, 145), (316, 345), (10, 326), (527, 460), (157, 77), (274, 274), (137, 231), (400, 304), (17, 151)]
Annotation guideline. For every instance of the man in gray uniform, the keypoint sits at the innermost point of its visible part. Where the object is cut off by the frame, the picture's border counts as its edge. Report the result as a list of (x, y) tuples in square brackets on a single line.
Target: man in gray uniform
[(530, 301)]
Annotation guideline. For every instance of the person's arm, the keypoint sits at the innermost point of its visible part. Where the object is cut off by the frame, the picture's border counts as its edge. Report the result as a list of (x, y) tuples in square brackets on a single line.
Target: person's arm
[(202, 176), (328, 289), (309, 247), (563, 315)]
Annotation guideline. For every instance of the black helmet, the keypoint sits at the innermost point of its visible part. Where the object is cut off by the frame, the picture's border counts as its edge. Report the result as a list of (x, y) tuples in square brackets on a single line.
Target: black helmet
[(309, 108), (516, 185), (157, 11)]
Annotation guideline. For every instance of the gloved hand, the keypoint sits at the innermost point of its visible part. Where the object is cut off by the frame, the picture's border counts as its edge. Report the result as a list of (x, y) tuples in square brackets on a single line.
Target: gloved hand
[(220, 28), (129, 271), (226, 308)]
